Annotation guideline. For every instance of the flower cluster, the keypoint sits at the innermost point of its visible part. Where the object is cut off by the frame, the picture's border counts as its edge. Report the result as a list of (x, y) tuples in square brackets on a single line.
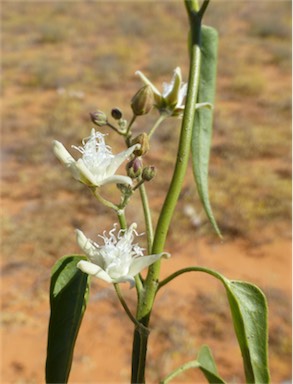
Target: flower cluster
[(118, 259)]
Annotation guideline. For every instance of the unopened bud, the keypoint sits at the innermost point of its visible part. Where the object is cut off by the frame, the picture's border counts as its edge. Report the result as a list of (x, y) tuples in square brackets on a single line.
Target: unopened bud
[(99, 118), (143, 101), (143, 140), (149, 173), (134, 168), (116, 113)]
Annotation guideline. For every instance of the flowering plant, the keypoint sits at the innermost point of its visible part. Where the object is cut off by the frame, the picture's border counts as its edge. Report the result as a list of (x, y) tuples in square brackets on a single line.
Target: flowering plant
[(119, 259)]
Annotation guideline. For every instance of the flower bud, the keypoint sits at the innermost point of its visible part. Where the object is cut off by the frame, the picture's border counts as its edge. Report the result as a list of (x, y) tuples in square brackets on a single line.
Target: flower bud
[(99, 118), (149, 173), (143, 101), (116, 113), (134, 168), (143, 140)]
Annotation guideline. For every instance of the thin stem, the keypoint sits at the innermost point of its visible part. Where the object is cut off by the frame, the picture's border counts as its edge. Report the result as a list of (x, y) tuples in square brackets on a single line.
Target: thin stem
[(177, 180), (122, 219), (127, 310), (138, 185), (189, 269), (178, 371), (192, 4), (157, 123), (127, 134), (114, 128), (147, 217), (105, 202), (203, 8)]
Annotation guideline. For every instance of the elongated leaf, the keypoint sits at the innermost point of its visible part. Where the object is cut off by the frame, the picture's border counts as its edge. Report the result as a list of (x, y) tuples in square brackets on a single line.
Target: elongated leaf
[(203, 121), (68, 298), (249, 312), (208, 366)]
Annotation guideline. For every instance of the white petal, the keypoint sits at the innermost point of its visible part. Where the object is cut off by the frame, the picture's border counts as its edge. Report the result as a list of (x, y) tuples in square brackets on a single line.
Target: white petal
[(125, 279), (174, 92), (62, 154), (94, 270), (117, 179), (85, 175), (84, 243), (139, 263), (182, 94), (147, 82), (119, 158)]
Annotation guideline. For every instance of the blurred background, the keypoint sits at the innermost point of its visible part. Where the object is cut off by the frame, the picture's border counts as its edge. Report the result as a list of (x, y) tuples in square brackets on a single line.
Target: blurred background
[(62, 60)]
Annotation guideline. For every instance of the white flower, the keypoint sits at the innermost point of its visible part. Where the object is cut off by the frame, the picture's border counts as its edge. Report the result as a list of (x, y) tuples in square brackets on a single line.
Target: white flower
[(171, 101), (98, 165), (117, 260)]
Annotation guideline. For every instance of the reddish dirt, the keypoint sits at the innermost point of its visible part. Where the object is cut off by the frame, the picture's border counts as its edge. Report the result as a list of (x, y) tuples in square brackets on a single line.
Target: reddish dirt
[(87, 49)]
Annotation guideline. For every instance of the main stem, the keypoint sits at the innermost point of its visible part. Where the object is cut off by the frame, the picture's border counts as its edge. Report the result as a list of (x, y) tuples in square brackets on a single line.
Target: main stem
[(152, 280)]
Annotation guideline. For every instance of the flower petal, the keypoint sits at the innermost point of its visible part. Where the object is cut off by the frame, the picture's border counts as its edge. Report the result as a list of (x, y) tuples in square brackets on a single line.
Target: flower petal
[(119, 158), (125, 279), (117, 179), (147, 82), (85, 175), (139, 263), (94, 270), (85, 244), (173, 92), (62, 154)]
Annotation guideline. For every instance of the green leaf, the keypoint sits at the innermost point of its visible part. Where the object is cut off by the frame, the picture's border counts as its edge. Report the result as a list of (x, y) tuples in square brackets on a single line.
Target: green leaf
[(249, 312), (208, 366), (69, 291), (203, 120)]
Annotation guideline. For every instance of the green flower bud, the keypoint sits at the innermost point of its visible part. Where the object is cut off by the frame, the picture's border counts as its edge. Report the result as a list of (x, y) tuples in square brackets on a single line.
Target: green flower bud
[(99, 118), (143, 140), (134, 168), (149, 173), (143, 101)]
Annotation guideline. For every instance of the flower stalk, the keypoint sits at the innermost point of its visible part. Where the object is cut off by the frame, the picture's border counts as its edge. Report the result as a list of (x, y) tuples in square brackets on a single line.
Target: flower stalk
[(152, 279)]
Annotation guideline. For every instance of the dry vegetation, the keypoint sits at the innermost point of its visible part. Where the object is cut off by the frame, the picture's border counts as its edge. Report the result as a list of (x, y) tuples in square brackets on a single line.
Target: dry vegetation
[(64, 59)]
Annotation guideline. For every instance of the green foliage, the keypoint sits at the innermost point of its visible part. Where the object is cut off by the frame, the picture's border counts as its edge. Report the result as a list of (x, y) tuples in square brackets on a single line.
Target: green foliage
[(208, 366), (203, 122), (249, 311), (69, 292)]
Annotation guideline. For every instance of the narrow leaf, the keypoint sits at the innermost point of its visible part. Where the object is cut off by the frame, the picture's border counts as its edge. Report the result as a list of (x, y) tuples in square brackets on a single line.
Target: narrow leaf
[(203, 121), (69, 291), (208, 366)]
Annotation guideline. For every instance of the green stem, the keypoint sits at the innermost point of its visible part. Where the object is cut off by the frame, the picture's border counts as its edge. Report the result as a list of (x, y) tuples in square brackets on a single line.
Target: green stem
[(147, 217), (151, 283), (128, 134), (157, 123), (178, 371), (190, 269), (105, 202), (176, 182), (122, 219), (192, 5), (140, 326)]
